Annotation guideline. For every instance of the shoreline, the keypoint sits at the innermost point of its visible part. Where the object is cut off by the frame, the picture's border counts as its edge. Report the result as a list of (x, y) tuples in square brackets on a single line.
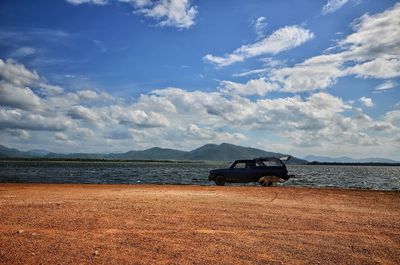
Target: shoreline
[(159, 224), (228, 185)]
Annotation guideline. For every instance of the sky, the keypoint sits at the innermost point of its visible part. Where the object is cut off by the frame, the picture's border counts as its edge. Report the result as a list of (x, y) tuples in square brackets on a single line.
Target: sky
[(298, 77)]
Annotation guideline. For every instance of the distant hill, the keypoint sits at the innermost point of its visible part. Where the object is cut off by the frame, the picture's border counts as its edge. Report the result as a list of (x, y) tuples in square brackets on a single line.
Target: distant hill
[(210, 152), (345, 159), (230, 152), (11, 152), (155, 153)]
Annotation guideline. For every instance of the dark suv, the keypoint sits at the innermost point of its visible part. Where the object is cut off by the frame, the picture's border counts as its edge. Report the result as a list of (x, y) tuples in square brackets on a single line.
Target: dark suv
[(265, 170)]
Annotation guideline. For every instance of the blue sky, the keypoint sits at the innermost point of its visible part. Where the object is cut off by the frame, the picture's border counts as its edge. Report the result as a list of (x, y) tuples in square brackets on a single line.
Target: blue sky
[(299, 77)]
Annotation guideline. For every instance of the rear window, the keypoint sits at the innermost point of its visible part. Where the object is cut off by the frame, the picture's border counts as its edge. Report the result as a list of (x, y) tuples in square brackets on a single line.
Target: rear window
[(268, 163)]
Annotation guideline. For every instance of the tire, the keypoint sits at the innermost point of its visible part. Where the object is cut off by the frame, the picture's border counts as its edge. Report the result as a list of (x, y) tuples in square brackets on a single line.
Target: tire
[(269, 183), (220, 180)]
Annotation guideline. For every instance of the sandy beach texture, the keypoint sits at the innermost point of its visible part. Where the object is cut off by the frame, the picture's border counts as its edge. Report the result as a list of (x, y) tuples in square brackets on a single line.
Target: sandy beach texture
[(150, 224)]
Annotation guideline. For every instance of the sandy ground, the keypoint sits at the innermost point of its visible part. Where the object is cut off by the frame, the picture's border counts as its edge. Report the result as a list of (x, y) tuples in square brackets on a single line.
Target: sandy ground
[(149, 224)]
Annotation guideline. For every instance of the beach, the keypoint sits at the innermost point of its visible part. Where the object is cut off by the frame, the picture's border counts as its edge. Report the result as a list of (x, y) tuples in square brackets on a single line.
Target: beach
[(184, 224)]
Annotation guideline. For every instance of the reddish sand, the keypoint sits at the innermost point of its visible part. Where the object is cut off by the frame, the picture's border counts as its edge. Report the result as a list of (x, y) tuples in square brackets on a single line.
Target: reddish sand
[(149, 224)]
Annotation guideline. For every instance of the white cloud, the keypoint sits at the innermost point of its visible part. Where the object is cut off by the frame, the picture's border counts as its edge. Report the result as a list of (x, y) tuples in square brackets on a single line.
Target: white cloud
[(268, 64), (85, 133), (81, 112), (253, 87), (18, 133), (259, 27), (210, 135), (178, 118), (143, 119), (374, 45), (17, 74), (280, 40), (386, 85), (17, 119), (18, 97), (51, 89), (383, 67), (24, 51), (79, 2), (137, 3), (87, 94), (332, 5), (366, 101), (174, 13), (315, 73), (371, 51), (61, 136), (393, 117)]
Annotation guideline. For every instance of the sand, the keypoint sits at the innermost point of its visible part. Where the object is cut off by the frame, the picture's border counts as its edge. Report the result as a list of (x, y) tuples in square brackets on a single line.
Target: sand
[(150, 224)]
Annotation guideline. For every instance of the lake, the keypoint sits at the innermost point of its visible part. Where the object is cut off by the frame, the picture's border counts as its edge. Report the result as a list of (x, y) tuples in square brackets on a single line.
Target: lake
[(369, 177)]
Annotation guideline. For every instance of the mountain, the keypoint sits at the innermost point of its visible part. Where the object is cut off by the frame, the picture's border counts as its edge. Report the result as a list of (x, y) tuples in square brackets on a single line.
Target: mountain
[(154, 153), (11, 152), (230, 152), (37, 152), (345, 159), (210, 152)]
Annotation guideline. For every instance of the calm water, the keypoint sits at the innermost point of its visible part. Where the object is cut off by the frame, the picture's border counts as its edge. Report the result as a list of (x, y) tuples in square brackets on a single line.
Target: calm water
[(370, 177)]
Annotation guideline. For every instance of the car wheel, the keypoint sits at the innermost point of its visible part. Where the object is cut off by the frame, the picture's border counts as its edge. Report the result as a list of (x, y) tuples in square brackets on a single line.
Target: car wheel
[(220, 180), (269, 183)]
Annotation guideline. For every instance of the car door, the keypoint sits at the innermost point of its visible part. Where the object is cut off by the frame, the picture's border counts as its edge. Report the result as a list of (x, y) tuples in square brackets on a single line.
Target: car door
[(259, 171), (240, 172)]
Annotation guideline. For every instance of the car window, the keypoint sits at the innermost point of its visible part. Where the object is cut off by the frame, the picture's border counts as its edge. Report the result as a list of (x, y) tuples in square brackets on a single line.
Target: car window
[(260, 164), (272, 163), (240, 165)]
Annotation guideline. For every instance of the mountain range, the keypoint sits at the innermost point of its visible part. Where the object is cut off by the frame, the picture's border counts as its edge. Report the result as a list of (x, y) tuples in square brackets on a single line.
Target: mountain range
[(209, 152), (345, 159)]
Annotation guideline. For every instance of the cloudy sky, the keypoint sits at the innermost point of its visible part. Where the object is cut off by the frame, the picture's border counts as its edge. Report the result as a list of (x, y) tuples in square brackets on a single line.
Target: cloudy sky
[(298, 77)]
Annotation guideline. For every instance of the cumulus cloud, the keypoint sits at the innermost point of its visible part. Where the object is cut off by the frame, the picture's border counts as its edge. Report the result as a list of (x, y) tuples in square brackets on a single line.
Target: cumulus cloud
[(371, 51), (178, 118), (81, 112), (383, 67), (51, 89), (18, 133), (253, 87), (208, 134), (366, 101), (87, 94), (18, 97), (176, 13), (280, 40), (15, 73), (315, 73), (61, 136), (374, 45), (143, 119), (332, 5), (17, 119)]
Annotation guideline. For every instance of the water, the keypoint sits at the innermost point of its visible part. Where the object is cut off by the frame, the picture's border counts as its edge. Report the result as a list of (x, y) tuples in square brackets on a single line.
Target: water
[(369, 177)]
